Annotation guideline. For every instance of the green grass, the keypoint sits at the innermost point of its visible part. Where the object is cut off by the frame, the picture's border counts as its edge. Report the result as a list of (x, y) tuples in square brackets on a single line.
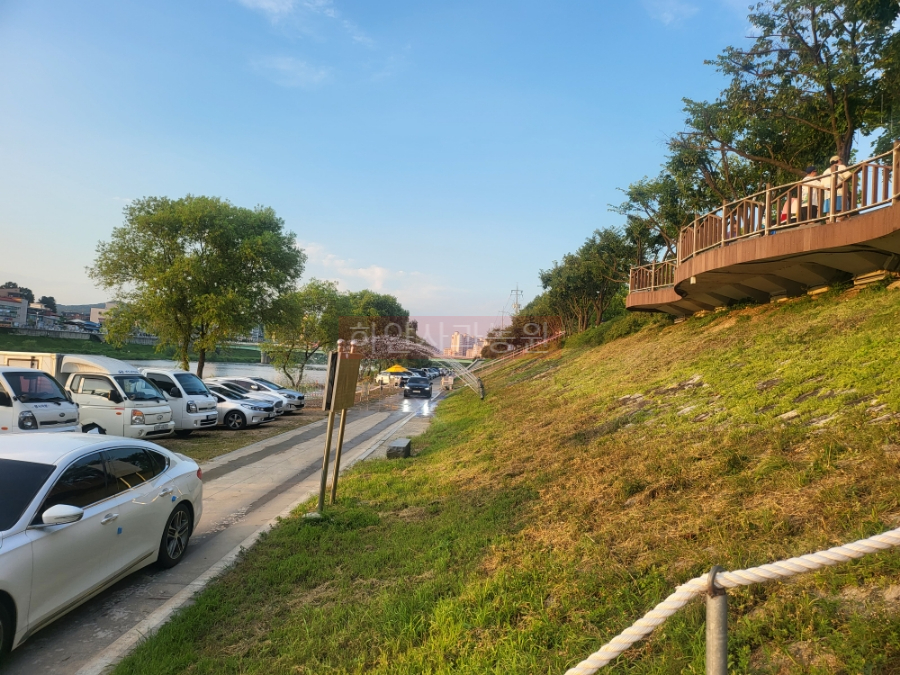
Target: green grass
[(25, 343), (532, 527)]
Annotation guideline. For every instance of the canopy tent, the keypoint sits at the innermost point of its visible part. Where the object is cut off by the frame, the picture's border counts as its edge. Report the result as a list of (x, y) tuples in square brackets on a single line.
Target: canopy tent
[(397, 369)]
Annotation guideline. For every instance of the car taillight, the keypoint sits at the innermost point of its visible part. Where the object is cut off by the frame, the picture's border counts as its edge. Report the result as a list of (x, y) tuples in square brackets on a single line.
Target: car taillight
[(200, 474)]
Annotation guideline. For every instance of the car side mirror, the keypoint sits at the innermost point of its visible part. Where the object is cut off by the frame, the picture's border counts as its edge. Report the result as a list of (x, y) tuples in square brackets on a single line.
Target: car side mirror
[(62, 514), (5, 400), (115, 396), (174, 393)]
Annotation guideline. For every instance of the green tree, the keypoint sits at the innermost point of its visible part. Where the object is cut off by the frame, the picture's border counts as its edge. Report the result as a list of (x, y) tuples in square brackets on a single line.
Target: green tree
[(48, 301), (195, 271), (302, 323), (817, 72), (581, 288)]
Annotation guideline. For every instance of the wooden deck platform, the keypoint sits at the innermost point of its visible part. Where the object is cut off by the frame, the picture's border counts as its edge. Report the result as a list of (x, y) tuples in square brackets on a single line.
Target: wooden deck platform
[(782, 263)]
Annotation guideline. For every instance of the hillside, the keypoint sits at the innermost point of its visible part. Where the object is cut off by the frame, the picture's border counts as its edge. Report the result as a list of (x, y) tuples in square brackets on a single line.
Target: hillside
[(533, 526)]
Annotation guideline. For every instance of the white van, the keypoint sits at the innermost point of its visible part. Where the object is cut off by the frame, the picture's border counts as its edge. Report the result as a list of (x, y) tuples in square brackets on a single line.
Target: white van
[(193, 405), (31, 400), (112, 396)]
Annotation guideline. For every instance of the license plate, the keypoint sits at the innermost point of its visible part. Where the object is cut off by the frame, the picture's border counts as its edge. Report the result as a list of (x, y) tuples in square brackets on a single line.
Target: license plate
[(160, 427), (211, 417)]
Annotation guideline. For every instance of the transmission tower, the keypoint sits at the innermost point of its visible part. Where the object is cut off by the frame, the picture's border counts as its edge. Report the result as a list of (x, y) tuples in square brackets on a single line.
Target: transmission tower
[(516, 296)]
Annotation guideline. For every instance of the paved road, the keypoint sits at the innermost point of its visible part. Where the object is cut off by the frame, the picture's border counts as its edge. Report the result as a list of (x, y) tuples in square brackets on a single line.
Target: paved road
[(243, 491)]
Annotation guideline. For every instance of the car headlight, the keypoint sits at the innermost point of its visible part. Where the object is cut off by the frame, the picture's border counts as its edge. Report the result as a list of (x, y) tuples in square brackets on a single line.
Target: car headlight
[(27, 421), (137, 417), (252, 407), (191, 407), (291, 396)]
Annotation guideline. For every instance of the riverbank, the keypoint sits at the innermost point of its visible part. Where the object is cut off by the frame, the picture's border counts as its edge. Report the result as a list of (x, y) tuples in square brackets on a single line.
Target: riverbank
[(24, 343), (533, 526)]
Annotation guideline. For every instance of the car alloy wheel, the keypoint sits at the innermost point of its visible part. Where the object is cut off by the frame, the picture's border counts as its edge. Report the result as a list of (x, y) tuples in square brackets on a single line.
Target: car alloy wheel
[(235, 420), (175, 537)]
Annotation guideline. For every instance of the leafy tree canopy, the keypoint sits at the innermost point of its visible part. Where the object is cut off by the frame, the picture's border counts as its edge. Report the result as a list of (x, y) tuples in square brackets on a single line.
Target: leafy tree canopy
[(195, 271)]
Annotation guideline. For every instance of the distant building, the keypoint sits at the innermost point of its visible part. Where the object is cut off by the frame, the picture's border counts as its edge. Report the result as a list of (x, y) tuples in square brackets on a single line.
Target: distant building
[(41, 316), (13, 311), (463, 346), (13, 293), (98, 314), (474, 351)]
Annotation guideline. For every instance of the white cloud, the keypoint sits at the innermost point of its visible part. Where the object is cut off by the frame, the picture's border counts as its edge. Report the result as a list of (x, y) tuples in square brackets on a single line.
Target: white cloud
[(274, 9), (287, 71), (303, 10), (670, 12), (413, 288)]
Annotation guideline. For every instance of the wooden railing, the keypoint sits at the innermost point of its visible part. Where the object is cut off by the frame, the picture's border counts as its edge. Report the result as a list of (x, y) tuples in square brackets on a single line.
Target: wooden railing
[(652, 276), (870, 184)]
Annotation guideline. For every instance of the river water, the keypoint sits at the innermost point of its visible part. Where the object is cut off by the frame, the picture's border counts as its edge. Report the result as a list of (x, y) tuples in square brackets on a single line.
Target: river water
[(312, 374)]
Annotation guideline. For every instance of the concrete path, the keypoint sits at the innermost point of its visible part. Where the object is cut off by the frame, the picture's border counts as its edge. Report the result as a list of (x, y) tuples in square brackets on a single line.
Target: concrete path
[(244, 492)]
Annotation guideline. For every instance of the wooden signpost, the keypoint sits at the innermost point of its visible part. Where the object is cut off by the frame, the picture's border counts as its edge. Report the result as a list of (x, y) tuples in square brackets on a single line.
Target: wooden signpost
[(340, 396)]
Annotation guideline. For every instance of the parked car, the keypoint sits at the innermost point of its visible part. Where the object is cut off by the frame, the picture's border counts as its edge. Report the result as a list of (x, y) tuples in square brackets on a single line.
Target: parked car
[(417, 386), (80, 512), (237, 411), (295, 400), (113, 397), (193, 406), (274, 400), (388, 378), (32, 400), (434, 372)]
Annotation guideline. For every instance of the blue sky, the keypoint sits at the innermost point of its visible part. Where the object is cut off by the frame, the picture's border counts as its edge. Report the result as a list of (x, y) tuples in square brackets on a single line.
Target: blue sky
[(439, 151)]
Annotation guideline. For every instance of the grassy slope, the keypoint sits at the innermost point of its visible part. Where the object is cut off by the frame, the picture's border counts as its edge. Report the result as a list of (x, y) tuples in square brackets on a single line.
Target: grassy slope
[(534, 526), (25, 343)]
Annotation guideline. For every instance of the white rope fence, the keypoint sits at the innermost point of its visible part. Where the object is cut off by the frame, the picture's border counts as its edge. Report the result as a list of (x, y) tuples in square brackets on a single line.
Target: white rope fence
[(699, 586)]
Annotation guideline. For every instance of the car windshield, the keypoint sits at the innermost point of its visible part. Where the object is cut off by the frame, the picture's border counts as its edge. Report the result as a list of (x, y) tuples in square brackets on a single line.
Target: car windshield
[(33, 385), (236, 387), (139, 388), (418, 380), (268, 384), (191, 384), (19, 483), (227, 393)]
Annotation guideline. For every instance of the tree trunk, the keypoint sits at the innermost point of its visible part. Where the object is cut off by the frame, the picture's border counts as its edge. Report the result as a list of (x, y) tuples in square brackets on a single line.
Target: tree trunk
[(201, 361), (184, 354)]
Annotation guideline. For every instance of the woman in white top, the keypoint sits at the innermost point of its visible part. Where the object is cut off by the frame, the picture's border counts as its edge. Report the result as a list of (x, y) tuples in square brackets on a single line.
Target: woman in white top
[(835, 167)]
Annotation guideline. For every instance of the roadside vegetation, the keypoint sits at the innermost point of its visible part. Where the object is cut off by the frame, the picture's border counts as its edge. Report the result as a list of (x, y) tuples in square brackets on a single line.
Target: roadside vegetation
[(24, 343), (531, 527)]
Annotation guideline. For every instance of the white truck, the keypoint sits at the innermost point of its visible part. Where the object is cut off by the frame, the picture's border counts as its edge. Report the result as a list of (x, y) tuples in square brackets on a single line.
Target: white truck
[(113, 397), (193, 405), (31, 400)]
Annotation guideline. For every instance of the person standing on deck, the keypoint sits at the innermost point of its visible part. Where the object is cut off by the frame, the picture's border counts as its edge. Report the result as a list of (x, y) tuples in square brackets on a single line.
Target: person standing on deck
[(835, 167), (807, 207), (809, 195)]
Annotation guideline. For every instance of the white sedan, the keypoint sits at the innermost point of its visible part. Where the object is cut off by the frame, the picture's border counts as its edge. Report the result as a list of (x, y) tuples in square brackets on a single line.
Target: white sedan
[(78, 512)]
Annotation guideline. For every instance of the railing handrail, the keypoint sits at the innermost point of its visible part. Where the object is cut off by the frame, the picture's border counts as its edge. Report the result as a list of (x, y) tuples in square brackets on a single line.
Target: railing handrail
[(752, 214), (724, 580)]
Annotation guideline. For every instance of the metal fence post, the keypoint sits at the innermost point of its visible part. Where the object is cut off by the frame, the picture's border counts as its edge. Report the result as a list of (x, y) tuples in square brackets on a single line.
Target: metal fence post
[(768, 212), (716, 627)]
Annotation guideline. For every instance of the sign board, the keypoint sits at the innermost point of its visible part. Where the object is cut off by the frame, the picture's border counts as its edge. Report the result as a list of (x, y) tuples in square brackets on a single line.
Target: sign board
[(340, 382)]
